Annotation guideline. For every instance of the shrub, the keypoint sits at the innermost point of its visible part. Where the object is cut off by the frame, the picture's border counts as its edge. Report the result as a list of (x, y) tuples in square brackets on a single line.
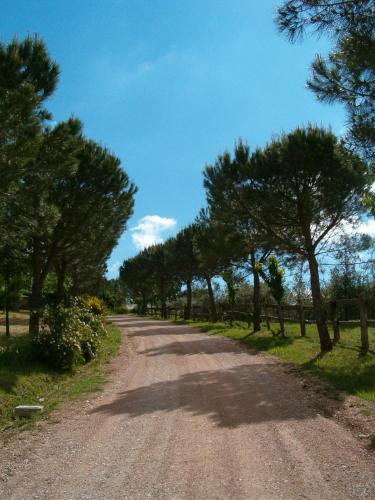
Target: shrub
[(123, 309), (109, 300), (96, 305), (69, 336), (16, 351)]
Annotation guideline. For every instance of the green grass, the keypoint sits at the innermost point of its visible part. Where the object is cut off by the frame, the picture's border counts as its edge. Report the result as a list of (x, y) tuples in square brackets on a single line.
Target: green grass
[(346, 368), (23, 380)]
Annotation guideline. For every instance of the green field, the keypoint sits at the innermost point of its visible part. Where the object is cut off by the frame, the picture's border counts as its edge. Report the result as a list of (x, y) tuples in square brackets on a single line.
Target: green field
[(346, 368), (23, 380)]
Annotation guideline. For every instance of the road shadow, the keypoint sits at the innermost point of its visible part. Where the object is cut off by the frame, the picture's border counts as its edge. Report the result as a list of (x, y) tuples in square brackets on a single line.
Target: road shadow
[(241, 395), (141, 327), (164, 330), (135, 325), (199, 346)]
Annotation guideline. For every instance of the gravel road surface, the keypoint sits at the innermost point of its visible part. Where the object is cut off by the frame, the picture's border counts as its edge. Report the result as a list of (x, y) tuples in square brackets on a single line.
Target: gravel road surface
[(188, 416)]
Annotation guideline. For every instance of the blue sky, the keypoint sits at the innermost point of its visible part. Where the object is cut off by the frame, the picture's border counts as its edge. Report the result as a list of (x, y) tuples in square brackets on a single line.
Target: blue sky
[(169, 84)]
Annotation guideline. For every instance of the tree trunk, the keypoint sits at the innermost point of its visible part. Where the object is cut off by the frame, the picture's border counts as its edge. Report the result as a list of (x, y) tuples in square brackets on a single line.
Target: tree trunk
[(281, 320), (164, 312), (7, 323), (257, 307), (364, 325), (232, 313), (267, 319), (38, 276), (188, 299), (320, 314), (35, 305), (6, 305), (211, 298), (144, 304), (75, 283), (61, 275), (301, 314), (335, 321)]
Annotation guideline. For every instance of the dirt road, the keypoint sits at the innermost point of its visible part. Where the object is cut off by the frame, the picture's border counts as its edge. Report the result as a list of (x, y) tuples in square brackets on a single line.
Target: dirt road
[(188, 416)]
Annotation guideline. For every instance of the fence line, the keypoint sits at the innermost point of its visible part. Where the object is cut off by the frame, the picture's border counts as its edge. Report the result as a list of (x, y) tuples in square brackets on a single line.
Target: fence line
[(303, 315)]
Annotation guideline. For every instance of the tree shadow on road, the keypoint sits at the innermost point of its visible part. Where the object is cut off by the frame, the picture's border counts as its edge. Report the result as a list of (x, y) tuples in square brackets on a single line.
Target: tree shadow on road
[(200, 345), (241, 395), (143, 328), (137, 324)]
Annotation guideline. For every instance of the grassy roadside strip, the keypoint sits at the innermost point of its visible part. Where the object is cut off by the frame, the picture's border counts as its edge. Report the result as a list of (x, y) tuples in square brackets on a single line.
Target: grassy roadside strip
[(345, 367), (26, 381)]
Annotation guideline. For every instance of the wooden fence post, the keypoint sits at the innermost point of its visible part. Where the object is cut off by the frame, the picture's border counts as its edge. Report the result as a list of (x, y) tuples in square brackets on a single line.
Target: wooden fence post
[(335, 321), (301, 313), (364, 326), (267, 318), (281, 319), (249, 320)]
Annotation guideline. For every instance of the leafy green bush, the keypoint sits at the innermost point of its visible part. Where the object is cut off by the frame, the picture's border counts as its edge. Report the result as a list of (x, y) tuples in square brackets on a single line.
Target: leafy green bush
[(123, 309), (96, 305), (69, 336)]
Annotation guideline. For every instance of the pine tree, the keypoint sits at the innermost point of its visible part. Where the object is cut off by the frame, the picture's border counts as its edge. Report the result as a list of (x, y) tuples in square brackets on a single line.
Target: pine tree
[(347, 75)]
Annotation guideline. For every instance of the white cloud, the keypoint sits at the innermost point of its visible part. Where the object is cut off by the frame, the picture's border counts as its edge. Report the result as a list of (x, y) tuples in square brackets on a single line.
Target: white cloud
[(148, 66), (149, 229), (127, 72)]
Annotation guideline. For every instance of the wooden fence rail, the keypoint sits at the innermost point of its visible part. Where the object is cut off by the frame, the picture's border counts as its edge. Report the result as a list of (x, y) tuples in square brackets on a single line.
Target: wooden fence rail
[(273, 312)]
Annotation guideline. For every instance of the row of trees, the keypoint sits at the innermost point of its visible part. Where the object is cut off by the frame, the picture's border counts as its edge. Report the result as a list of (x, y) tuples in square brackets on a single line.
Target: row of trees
[(290, 197), (287, 198), (64, 199), (158, 272)]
